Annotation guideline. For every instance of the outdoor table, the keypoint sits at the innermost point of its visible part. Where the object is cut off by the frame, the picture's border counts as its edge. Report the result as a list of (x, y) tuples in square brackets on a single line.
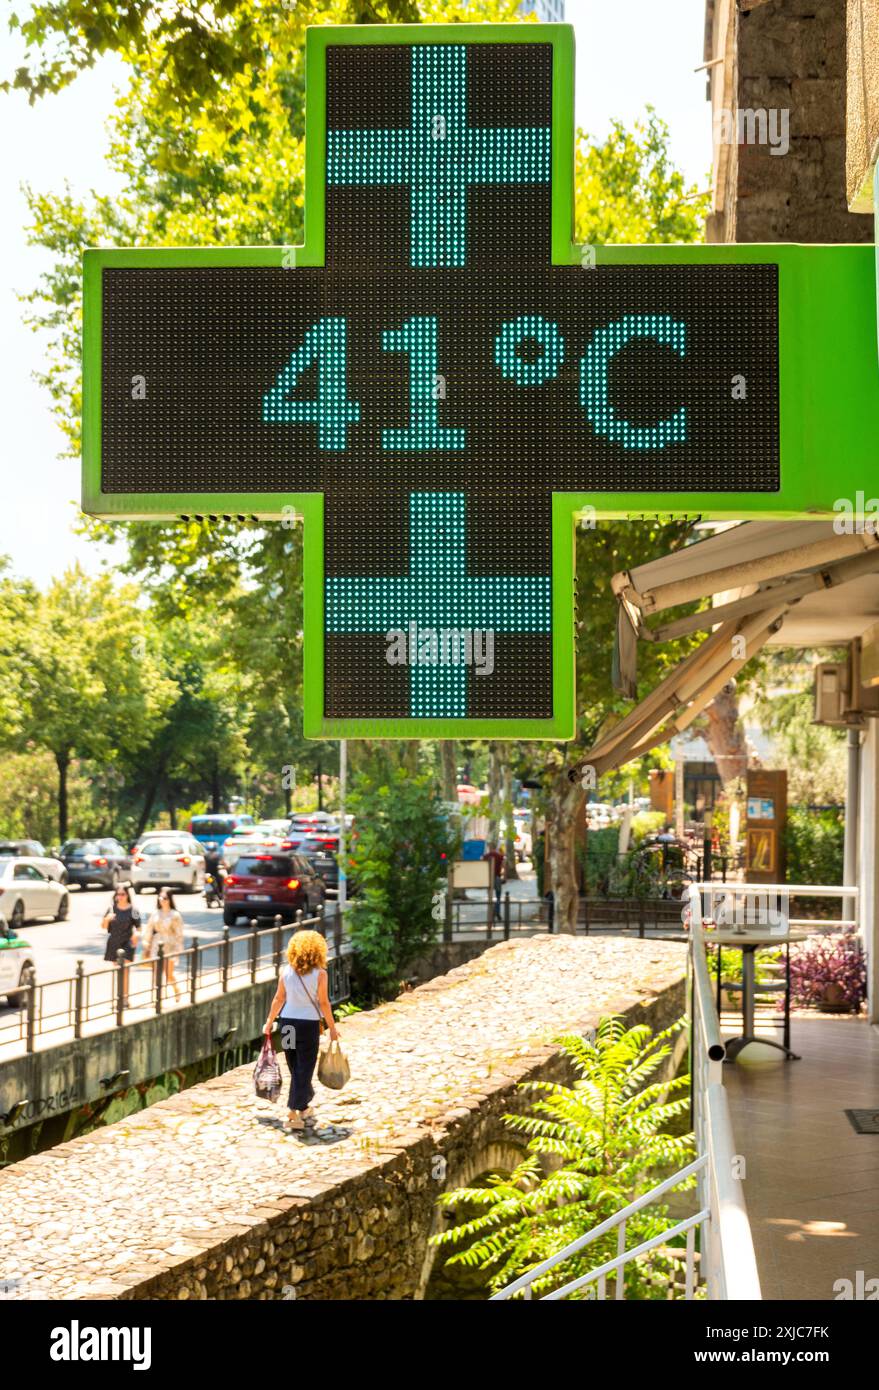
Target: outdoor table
[(749, 941)]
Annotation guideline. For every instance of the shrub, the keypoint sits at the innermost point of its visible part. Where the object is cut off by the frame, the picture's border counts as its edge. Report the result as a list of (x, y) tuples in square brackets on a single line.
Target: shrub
[(815, 841), (647, 823), (829, 969), (400, 852), (608, 1140)]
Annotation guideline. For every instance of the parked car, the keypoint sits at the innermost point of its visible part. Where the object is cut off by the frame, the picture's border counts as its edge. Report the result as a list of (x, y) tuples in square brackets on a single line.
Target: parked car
[(33, 850), (104, 862), (168, 859), (26, 893), (271, 883), (16, 958), (252, 838), (216, 827), (321, 849)]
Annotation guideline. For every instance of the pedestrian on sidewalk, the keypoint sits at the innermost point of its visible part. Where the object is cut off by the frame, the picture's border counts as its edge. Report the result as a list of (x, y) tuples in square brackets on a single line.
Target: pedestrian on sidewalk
[(165, 928), (121, 922), (302, 1000), (496, 856)]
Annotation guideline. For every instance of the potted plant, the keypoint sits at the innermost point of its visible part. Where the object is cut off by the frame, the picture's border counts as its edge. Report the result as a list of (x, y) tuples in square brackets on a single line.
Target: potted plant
[(829, 972)]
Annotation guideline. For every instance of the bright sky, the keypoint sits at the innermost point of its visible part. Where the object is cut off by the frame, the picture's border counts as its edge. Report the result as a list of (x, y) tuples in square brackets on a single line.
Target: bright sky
[(629, 53)]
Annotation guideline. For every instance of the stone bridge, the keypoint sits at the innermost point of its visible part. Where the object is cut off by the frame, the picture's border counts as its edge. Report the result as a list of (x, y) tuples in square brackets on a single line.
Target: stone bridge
[(205, 1196)]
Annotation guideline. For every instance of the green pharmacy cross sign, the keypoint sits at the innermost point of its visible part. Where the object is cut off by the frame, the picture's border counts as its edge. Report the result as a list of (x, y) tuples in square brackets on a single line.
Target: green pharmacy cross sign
[(439, 382)]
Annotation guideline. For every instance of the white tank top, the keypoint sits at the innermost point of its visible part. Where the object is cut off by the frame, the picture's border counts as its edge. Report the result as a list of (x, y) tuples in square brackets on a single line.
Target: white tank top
[(298, 1004)]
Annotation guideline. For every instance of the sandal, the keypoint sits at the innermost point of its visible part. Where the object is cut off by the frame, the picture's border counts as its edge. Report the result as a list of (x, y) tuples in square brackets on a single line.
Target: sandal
[(293, 1122)]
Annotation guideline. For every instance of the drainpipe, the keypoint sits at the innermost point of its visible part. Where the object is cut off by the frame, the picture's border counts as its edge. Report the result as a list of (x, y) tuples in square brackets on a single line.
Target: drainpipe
[(853, 780)]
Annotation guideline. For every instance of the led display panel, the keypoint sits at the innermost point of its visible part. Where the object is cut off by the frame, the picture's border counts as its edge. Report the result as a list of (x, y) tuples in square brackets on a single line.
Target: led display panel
[(450, 381)]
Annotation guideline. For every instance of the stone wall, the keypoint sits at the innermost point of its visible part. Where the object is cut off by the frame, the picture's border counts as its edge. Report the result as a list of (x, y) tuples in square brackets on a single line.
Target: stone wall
[(204, 1195), (787, 56)]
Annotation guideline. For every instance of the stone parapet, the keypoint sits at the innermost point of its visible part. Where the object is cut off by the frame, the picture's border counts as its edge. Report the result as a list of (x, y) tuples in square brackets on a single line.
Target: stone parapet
[(205, 1196)]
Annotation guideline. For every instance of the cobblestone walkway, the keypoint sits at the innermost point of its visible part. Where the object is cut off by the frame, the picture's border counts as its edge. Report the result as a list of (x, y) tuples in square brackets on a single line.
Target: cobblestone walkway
[(99, 1215)]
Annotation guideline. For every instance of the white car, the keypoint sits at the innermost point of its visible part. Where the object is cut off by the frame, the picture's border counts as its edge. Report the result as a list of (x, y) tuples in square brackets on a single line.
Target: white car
[(16, 958), (247, 838), (34, 852), (26, 893), (168, 859)]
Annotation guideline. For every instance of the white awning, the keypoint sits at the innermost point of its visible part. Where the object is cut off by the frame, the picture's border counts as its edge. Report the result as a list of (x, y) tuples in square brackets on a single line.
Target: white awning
[(775, 582)]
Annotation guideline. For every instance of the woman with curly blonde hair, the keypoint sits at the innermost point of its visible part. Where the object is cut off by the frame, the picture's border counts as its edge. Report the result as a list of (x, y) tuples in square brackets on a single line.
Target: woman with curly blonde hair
[(302, 1000)]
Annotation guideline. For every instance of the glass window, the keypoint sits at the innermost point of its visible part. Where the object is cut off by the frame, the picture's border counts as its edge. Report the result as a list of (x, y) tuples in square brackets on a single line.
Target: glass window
[(265, 866), (157, 847)]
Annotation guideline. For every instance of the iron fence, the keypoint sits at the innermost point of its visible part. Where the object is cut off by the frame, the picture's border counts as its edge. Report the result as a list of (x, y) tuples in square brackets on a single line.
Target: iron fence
[(145, 988)]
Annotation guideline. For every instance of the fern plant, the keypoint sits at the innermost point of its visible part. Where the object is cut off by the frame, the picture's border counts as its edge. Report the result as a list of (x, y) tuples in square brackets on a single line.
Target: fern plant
[(592, 1148)]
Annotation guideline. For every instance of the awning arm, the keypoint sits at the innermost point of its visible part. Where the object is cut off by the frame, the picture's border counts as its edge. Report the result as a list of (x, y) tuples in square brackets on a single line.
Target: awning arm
[(789, 591), (747, 572), (683, 694)]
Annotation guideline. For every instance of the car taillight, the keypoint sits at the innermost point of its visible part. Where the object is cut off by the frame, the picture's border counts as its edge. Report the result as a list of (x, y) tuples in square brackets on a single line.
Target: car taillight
[(230, 878), (183, 859), (288, 844), (292, 882), (99, 862), (139, 859)]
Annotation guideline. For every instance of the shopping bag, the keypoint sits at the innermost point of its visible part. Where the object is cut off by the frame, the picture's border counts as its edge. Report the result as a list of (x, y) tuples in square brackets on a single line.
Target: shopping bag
[(267, 1073), (333, 1069)]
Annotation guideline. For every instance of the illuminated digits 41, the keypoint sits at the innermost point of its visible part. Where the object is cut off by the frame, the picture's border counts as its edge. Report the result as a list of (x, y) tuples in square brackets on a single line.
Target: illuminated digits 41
[(326, 343)]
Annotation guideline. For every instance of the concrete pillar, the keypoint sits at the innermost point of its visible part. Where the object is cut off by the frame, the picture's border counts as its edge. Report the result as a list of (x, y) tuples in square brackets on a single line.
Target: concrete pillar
[(868, 879), (852, 809)]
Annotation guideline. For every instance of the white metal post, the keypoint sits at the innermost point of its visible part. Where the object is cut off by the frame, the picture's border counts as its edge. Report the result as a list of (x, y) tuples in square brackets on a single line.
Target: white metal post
[(343, 790)]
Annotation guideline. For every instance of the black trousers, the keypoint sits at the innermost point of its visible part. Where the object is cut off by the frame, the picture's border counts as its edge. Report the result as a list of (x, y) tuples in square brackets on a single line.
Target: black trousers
[(300, 1039)]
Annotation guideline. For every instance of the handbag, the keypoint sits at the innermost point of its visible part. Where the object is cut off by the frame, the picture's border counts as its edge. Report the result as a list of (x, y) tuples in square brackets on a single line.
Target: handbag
[(267, 1073), (320, 1017), (333, 1069)]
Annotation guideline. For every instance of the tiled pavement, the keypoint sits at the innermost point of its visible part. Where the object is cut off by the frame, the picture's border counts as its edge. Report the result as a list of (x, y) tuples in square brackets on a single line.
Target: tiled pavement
[(812, 1183)]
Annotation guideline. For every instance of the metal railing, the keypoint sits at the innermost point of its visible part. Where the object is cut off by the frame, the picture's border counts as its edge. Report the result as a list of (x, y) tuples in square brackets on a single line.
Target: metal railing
[(742, 901), (725, 1262), (729, 1262), (142, 988), (618, 1222), (594, 914)]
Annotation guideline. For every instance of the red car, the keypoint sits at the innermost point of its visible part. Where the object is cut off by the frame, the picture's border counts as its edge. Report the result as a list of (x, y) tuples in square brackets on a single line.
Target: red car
[(271, 883)]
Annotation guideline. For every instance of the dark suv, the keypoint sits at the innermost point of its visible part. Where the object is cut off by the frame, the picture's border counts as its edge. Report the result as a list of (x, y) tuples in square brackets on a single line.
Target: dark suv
[(320, 848), (270, 884), (104, 862)]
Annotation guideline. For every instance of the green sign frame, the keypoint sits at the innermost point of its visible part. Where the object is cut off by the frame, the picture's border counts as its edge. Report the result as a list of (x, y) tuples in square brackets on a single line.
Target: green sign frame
[(828, 386)]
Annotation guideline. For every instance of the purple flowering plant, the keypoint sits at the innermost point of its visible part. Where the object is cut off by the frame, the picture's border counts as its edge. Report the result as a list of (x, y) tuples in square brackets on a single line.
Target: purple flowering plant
[(829, 969)]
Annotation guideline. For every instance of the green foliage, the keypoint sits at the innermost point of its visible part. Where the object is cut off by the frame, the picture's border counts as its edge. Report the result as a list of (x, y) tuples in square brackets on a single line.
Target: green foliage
[(646, 823), (629, 192), (347, 1009), (814, 755), (815, 842), (203, 49), (89, 681), (400, 851), (607, 1139)]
